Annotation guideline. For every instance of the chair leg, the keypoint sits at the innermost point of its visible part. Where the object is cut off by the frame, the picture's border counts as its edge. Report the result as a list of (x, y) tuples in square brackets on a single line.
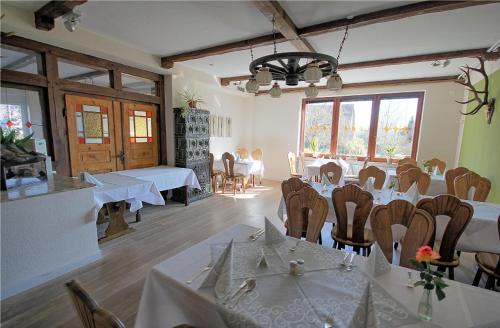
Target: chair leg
[(223, 185), (490, 282), (396, 245), (356, 249), (320, 240), (368, 250), (458, 253), (234, 186), (364, 250), (451, 273), (334, 244), (253, 180), (477, 278)]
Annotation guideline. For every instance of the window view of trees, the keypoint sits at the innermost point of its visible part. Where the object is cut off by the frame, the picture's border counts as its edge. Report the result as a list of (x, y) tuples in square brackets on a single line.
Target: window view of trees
[(347, 121), (318, 127), (354, 128)]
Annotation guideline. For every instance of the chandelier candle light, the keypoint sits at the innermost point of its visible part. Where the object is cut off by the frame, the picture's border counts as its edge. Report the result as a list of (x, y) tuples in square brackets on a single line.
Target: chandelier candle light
[(287, 67)]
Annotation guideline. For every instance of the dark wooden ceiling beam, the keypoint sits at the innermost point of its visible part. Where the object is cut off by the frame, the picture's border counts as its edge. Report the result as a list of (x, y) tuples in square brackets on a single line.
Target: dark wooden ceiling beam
[(283, 23), (482, 52), (438, 79), (419, 8), (45, 16)]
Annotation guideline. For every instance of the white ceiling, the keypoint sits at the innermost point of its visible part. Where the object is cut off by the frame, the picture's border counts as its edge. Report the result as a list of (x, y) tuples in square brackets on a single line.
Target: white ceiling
[(170, 27)]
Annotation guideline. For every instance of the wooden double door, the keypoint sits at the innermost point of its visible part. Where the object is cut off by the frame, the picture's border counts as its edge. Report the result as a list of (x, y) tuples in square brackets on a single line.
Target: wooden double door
[(106, 135)]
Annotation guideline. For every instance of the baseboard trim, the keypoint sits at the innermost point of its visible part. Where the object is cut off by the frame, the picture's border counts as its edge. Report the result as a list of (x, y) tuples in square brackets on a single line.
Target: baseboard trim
[(21, 286)]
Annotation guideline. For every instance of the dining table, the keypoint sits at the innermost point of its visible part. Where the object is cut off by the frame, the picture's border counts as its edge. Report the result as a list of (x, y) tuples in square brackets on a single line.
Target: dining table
[(480, 235), (437, 185), (246, 167), (324, 293)]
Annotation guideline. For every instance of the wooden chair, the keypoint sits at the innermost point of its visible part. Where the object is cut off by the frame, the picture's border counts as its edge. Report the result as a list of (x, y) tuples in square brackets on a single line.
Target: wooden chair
[(372, 172), (242, 152), (229, 174), (334, 169), (91, 314), (405, 167), (354, 234), (213, 173), (353, 178), (450, 176), (287, 187), (464, 183), (436, 162), (407, 160), (292, 163), (306, 200), (488, 263), (460, 214), (256, 156), (414, 175), (419, 231)]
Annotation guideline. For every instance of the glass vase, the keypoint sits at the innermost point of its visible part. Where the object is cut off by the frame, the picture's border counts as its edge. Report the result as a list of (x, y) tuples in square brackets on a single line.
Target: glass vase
[(425, 305)]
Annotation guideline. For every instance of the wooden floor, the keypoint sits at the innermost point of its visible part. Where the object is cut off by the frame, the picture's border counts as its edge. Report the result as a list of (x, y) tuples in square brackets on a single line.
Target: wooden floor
[(117, 279)]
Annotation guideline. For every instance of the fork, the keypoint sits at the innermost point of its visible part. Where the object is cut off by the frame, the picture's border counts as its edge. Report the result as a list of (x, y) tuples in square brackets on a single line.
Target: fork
[(257, 235)]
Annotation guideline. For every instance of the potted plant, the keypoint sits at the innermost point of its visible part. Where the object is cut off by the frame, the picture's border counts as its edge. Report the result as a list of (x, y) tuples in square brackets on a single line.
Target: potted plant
[(390, 151), (189, 99), (315, 146)]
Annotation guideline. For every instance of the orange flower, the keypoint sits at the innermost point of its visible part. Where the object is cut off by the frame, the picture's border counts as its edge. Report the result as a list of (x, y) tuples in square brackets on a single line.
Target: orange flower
[(426, 254)]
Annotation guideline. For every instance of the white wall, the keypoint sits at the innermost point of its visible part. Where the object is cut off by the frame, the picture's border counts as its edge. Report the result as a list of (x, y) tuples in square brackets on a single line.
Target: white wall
[(277, 122), (219, 101)]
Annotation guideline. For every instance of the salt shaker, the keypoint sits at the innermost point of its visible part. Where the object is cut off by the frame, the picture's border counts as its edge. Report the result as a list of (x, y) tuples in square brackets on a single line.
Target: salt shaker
[(300, 263), (294, 268)]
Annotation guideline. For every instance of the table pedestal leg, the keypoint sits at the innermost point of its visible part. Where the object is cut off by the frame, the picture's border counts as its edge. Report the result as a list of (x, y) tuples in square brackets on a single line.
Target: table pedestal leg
[(117, 224), (186, 201), (138, 216)]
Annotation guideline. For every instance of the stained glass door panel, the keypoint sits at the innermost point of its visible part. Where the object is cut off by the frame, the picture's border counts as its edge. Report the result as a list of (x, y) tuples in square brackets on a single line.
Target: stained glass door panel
[(140, 135), (90, 135)]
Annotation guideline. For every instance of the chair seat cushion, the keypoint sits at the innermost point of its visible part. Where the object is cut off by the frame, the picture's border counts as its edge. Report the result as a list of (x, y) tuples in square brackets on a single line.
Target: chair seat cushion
[(368, 237), (488, 262), (453, 263)]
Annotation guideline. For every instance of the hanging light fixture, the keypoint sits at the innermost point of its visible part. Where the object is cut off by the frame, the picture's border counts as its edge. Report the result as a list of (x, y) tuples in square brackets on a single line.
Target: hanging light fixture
[(264, 76), (72, 20), (335, 81), (252, 86), (275, 91), (311, 91), (313, 73)]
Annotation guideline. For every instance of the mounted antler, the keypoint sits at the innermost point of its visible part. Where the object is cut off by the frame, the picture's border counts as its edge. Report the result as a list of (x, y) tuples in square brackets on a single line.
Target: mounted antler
[(481, 97)]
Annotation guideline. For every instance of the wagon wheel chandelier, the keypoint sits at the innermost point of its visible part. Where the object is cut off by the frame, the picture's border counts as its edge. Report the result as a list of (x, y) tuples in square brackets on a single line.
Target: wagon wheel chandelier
[(287, 67)]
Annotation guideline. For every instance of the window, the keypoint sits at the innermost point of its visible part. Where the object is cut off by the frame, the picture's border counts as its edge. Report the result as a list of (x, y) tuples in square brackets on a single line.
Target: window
[(77, 72), (362, 126), (21, 60), (21, 109), (138, 84), (318, 127)]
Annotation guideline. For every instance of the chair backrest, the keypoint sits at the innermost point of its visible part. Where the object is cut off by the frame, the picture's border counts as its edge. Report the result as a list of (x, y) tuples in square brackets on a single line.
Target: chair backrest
[(306, 200), (365, 163), (211, 163), (419, 226), (460, 214), (407, 160), (334, 169), (372, 172), (292, 163), (242, 152), (450, 176), (291, 185), (436, 162), (414, 175), (405, 167), (90, 312), (364, 202), (464, 183), (257, 154), (228, 161)]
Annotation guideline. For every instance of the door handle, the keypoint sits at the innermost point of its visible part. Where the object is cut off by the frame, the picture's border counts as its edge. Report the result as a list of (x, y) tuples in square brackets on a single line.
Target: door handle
[(121, 156)]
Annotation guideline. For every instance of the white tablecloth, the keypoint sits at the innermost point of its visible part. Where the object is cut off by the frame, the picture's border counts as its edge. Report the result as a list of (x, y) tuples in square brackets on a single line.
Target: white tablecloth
[(282, 300), (313, 169), (481, 234), (164, 177), (437, 186), (246, 167), (134, 191)]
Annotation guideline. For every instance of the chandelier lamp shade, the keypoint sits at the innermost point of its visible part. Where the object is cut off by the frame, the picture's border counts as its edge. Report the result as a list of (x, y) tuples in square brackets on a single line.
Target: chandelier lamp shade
[(311, 91), (275, 91), (313, 73), (334, 82), (264, 76), (252, 85)]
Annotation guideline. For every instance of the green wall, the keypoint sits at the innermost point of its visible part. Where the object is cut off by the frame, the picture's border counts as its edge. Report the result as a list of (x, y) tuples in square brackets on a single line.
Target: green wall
[(480, 150)]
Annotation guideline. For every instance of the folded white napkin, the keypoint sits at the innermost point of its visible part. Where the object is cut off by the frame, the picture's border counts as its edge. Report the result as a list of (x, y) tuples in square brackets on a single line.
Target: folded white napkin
[(261, 260), (377, 262), (325, 181), (369, 185), (344, 165), (412, 194), (87, 177), (273, 235), (219, 276)]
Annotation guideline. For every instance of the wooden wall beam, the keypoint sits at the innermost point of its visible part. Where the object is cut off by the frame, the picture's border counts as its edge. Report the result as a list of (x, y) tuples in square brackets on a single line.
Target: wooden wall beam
[(45, 16), (283, 23), (415, 9), (224, 81), (438, 79)]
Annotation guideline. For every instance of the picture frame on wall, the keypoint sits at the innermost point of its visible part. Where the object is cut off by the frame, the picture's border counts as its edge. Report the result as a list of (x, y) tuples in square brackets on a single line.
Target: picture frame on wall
[(220, 126), (228, 127)]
